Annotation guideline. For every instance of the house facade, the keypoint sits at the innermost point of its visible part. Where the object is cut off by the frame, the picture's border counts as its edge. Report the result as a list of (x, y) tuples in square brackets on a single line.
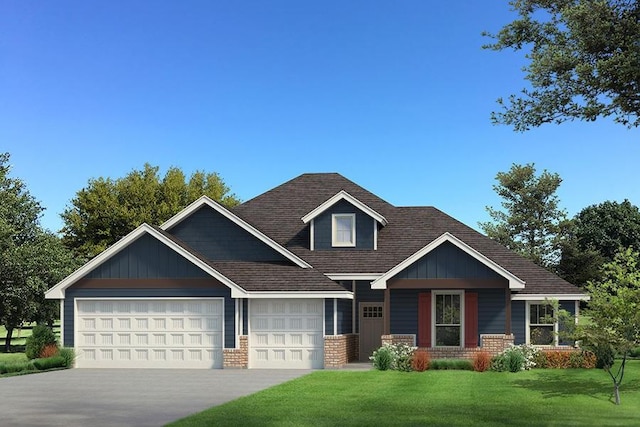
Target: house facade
[(315, 273)]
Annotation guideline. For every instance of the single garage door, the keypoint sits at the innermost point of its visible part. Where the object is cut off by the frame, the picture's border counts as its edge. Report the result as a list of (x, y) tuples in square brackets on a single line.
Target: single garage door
[(157, 333), (286, 333)]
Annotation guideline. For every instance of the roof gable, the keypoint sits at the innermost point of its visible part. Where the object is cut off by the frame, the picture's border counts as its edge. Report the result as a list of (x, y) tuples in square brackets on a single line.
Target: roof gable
[(514, 281), (58, 291), (206, 201), (343, 195)]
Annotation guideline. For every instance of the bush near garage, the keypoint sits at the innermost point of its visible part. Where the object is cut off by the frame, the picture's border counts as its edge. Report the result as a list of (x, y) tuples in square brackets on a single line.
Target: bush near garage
[(41, 337)]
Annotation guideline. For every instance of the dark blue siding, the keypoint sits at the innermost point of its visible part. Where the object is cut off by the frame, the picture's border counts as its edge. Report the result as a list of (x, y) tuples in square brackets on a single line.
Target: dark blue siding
[(245, 316), (146, 258), (364, 293), (447, 261), (229, 305), (491, 311), (404, 311), (219, 239), (518, 321), (328, 316), (322, 227), (345, 316)]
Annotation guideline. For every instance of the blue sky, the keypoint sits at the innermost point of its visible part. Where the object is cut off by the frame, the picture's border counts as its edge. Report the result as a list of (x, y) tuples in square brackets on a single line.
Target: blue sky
[(396, 96)]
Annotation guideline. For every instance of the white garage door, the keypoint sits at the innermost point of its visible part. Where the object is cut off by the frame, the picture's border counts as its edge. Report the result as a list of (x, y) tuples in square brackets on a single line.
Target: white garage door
[(159, 333), (286, 333)]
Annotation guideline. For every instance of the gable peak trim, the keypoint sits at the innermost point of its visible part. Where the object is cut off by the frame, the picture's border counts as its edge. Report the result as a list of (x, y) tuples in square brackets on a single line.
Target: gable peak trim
[(343, 195), (514, 281)]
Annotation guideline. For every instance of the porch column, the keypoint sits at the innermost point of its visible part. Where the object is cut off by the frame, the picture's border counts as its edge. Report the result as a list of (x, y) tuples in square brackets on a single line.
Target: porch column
[(387, 311), (507, 311)]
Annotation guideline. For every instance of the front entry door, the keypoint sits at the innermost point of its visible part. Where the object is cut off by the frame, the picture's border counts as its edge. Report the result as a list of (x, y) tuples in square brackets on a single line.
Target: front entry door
[(371, 328)]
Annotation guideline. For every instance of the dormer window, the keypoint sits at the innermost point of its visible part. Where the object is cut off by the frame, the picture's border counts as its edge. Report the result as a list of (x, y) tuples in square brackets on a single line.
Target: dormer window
[(343, 230)]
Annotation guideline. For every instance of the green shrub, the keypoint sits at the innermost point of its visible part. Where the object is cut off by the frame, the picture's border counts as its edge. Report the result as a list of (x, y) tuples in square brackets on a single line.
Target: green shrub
[(382, 358), (41, 336), (515, 358), (451, 364), (10, 368), (49, 363), (635, 352), (69, 355), (500, 363), (516, 361)]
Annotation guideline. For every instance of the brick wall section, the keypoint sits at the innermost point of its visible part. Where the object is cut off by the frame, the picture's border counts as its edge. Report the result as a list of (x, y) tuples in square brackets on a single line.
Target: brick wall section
[(339, 350), (409, 340), (496, 343), (237, 357)]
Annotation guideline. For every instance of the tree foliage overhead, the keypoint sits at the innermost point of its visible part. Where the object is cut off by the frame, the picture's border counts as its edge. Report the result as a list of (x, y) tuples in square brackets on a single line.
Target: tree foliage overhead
[(597, 234), (31, 259), (614, 315), (583, 61), (531, 222), (108, 209)]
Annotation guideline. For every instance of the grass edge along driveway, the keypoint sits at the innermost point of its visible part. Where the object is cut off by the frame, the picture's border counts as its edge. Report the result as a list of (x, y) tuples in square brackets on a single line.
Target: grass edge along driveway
[(357, 398)]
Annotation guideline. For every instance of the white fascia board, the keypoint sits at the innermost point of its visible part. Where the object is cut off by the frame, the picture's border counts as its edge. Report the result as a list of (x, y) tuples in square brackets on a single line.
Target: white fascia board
[(514, 281), (58, 291), (204, 200), (559, 297), (299, 295), (343, 195), (353, 276)]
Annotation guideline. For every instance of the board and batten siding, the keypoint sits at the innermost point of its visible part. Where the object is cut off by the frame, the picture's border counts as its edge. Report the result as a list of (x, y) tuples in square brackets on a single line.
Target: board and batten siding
[(146, 258), (323, 224), (229, 305), (447, 261), (219, 239)]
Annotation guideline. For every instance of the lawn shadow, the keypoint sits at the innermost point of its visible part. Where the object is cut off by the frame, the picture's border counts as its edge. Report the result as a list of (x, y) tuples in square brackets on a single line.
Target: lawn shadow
[(552, 385)]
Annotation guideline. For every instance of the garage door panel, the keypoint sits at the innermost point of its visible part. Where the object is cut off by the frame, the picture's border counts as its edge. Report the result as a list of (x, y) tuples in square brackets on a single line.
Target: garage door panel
[(150, 333), (286, 334)]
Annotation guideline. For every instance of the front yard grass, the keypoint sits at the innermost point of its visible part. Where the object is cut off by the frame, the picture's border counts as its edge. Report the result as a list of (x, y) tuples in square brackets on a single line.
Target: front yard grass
[(12, 358), (543, 397)]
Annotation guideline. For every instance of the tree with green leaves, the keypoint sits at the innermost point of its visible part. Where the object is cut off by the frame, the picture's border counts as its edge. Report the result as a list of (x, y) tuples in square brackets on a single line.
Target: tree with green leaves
[(583, 61), (31, 259), (596, 235), (613, 326), (108, 209), (531, 223)]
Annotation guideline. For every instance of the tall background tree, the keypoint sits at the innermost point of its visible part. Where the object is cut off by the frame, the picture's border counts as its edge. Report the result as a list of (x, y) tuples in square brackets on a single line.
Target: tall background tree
[(531, 223), (108, 209), (31, 259), (583, 61), (597, 234)]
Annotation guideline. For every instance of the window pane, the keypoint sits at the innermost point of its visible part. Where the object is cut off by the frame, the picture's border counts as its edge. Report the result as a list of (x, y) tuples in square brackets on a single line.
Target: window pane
[(540, 314), (448, 335), (344, 229), (541, 335)]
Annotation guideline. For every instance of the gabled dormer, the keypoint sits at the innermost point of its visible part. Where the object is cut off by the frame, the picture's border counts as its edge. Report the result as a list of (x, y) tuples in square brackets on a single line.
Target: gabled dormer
[(343, 222)]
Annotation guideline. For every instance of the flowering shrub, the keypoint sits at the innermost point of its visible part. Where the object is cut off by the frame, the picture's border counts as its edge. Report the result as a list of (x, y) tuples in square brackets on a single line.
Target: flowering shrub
[(400, 355), (515, 358)]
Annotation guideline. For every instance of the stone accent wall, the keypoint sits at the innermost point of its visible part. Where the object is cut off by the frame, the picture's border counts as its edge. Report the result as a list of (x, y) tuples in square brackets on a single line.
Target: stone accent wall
[(339, 350), (409, 340), (237, 357)]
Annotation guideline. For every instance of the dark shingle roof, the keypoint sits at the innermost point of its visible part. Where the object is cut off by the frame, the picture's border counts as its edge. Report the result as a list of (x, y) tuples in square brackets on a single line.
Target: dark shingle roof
[(278, 214)]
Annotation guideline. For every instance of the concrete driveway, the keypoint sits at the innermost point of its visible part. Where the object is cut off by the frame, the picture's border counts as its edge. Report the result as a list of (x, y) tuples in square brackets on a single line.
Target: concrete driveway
[(125, 397)]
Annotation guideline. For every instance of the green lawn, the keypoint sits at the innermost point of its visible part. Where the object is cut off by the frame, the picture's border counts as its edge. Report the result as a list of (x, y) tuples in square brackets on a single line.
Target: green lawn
[(543, 397)]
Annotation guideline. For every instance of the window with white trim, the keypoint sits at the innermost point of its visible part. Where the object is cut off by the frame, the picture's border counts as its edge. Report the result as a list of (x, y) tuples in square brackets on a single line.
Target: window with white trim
[(542, 328), (343, 231), (448, 319)]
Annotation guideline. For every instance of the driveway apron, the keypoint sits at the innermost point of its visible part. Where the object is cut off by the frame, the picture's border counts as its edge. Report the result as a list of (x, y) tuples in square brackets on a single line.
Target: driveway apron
[(125, 397)]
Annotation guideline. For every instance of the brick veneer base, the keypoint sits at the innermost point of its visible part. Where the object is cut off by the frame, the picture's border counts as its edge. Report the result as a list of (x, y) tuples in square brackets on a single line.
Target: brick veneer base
[(491, 343), (340, 350), (237, 357)]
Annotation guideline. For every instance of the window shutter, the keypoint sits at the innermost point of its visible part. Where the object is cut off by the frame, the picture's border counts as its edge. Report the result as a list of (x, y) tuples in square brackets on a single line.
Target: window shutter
[(471, 319), (424, 319)]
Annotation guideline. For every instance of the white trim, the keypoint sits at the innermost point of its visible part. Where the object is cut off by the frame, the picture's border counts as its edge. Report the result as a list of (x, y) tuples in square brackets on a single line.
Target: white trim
[(433, 316), (58, 291), (343, 195), (335, 316), (353, 276), (312, 233), (514, 281), (204, 200), (334, 230), (541, 297), (375, 236), (527, 325), (299, 295), (354, 308), (576, 309), (236, 340), (62, 323)]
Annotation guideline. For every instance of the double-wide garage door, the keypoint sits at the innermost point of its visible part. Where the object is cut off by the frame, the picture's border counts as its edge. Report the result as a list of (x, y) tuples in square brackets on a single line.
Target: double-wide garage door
[(154, 333), (286, 333)]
